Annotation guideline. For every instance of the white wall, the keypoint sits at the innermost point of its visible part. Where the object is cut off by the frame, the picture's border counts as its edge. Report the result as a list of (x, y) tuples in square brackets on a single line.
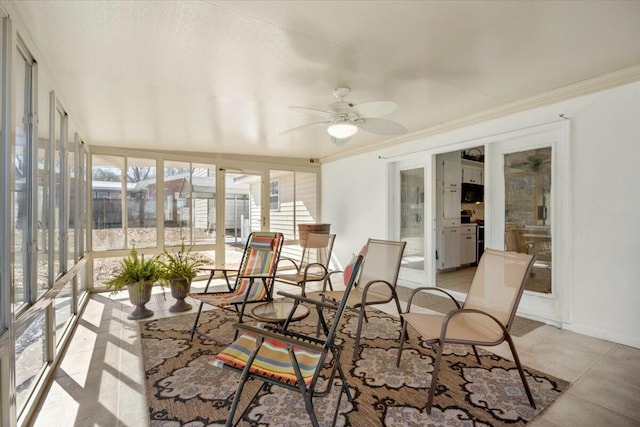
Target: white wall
[(354, 202), (603, 234), (606, 216)]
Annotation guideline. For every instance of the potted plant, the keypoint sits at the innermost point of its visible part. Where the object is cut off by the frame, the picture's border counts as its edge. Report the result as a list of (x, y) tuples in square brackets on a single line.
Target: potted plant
[(178, 269), (138, 274)]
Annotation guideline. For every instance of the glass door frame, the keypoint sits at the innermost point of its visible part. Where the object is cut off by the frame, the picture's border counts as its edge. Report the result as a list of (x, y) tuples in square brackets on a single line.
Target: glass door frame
[(553, 308), (424, 162), (221, 183)]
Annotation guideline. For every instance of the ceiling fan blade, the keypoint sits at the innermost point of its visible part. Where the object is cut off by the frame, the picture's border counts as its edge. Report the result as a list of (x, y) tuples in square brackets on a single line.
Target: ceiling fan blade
[(324, 123), (375, 108), (380, 126), (313, 111)]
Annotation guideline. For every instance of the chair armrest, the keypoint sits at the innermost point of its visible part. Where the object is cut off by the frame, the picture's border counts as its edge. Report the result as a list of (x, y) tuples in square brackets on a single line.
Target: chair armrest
[(295, 264), (315, 265), (452, 314), (307, 342), (308, 300), (328, 279), (429, 289), (365, 289)]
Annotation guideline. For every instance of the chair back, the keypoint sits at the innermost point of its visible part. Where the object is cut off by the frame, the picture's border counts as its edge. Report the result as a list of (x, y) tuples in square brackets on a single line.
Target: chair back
[(260, 258), (498, 284), (317, 250), (381, 262)]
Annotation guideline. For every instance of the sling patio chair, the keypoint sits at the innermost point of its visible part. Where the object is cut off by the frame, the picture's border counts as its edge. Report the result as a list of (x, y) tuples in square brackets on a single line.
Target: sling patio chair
[(484, 319), (376, 283), (288, 359), (313, 265), (255, 278)]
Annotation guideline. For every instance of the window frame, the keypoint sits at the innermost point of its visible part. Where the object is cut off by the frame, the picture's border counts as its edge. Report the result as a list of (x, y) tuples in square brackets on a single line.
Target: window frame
[(275, 194)]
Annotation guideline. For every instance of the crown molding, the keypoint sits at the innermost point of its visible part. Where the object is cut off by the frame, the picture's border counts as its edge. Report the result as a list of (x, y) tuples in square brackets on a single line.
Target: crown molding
[(585, 87)]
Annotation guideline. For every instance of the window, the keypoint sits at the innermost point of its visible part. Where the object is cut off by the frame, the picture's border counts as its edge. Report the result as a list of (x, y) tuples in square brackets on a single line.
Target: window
[(142, 220), (60, 171), (40, 204), (203, 203), (70, 201), (177, 208), (22, 174), (108, 227), (294, 196), (274, 195)]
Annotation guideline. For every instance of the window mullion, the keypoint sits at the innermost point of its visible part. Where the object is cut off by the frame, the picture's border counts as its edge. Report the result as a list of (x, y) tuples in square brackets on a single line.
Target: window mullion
[(30, 270)]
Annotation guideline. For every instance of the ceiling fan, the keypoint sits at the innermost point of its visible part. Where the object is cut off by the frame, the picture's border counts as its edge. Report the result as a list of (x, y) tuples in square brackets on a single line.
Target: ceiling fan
[(343, 118)]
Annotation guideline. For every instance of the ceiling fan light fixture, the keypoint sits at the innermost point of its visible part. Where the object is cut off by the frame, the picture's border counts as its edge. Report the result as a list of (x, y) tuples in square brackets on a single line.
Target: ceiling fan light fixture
[(342, 130)]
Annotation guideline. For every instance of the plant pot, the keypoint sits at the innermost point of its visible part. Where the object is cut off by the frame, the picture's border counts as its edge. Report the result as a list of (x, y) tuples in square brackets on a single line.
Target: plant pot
[(139, 295), (180, 288)]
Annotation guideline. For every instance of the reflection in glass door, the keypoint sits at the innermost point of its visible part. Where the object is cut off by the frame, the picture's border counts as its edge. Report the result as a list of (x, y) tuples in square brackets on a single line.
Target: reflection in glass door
[(527, 180), (412, 217), (242, 212)]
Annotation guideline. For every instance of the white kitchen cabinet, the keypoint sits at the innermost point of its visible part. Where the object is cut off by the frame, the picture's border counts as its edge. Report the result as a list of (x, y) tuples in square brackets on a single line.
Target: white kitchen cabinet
[(451, 173), (449, 176), (472, 175), (451, 203), (468, 244), (450, 256)]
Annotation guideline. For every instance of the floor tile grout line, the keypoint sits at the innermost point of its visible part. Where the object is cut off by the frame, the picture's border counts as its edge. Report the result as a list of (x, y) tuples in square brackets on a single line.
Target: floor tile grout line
[(586, 371), (616, 411)]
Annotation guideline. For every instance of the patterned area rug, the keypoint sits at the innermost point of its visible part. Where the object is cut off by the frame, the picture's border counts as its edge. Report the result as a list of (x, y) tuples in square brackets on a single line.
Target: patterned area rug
[(183, 390)]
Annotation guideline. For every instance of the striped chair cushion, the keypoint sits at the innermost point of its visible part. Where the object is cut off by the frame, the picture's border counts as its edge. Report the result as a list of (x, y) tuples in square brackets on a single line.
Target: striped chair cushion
[(272, 361), (264, 241), (261, 260)]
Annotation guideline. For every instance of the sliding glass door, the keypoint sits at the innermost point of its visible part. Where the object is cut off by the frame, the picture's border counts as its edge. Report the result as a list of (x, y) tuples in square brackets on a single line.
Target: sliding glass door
[(242, 212), (525, 179), (409, 217)]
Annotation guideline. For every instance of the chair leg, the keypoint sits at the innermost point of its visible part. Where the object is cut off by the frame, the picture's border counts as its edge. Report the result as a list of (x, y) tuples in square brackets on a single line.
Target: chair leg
[(264, 387), (308, 404), (234, 405), (475, 351), (358, 331), (520, 371), (195, 323), (395, 298), (302, 291), (345, 384), (344, 388), (403, 335), (434, 377)]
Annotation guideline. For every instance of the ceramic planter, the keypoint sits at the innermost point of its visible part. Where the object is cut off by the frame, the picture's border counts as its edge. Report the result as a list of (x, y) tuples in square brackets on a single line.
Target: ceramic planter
[(139, 295), (180, 288)]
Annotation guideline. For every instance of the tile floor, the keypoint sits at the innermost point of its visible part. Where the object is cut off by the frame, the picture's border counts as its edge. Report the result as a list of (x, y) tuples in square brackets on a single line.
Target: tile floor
[(100, 380)]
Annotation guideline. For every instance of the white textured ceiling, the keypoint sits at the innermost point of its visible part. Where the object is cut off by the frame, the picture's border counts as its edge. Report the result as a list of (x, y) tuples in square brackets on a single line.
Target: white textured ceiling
[(218, 76)]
